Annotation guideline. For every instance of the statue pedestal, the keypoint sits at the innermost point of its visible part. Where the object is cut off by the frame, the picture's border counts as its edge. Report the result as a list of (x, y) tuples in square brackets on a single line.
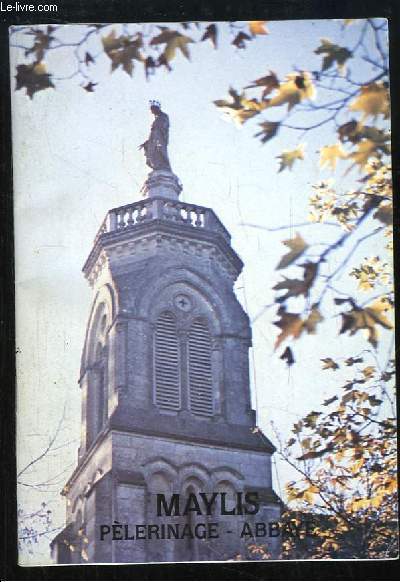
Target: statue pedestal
[(162, 183)]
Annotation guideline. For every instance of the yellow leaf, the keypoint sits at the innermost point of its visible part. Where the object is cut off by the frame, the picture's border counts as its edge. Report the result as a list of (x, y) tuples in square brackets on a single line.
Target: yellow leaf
[(240, 108), (367, 318), (365, 150), (369, 371), (110, 42), (329, 155), (291, 324), (173, 40), (310, 323), (305, 443), (258, 27), (309, 493), (356, 465), (296, 88), (179, 42), (288, 157), (372, 101), (297, 246), (364, 283), (329, 364), (376, 501), (377, 309)]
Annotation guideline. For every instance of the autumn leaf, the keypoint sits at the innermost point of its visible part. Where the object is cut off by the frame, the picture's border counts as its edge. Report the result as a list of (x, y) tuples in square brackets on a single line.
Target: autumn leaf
[(312, 455), (288, 157), (268, 82), (41, 42), (372, 101), (291, 324), (89, 87), (122, 51), (296, 287), (311, 419), (211, 33), (240, 108), (334, 54), (111, 42), (329, 155), (368, 371), (288, 356), (258, 27), (385, 214), (296, 88), (365, 149), (329, 400), (239, 40), (366, 319), (297, 246), (173, 40), (351, 361), (379, 136), (149, 67), (374, 401), (312, 320), (377, 309), (329, 364), (235, 103), (33, 78), (268, 131), (349, 131)]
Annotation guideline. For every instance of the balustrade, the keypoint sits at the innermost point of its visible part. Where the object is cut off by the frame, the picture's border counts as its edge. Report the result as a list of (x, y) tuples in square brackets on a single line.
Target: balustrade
[(157, 208)]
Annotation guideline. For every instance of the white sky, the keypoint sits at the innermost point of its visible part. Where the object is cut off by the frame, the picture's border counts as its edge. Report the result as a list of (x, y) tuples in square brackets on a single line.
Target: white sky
[(75, 157)]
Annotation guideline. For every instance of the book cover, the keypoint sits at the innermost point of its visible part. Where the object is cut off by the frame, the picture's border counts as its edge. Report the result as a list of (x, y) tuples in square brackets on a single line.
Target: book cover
[(204, 314)]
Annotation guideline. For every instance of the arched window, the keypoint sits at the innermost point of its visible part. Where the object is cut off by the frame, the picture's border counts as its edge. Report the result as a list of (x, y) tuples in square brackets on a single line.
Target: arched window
[(183, 376), (97, 378), (167, 363), (200, 369)]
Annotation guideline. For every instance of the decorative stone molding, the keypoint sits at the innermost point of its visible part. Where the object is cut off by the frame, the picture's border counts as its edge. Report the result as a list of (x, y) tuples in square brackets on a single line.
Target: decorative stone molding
[(162, 183), (156, 242)]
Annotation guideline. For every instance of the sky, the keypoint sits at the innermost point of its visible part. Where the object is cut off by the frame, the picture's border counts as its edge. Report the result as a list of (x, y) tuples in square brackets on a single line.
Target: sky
[(75, 157)]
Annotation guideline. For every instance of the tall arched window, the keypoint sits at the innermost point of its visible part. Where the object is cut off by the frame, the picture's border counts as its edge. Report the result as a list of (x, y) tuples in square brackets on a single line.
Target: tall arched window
[(167, 363), (183, 365), (200, 369)]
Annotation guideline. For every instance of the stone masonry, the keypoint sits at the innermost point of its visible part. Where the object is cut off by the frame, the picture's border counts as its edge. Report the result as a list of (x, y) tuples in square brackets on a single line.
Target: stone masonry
[(165, 387)]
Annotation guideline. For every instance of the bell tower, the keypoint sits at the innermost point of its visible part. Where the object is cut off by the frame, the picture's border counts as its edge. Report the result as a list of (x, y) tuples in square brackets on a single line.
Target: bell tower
[(165, 390)]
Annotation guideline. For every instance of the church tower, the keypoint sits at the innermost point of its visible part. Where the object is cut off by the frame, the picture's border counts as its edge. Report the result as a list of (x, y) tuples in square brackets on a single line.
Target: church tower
[(165, 391)]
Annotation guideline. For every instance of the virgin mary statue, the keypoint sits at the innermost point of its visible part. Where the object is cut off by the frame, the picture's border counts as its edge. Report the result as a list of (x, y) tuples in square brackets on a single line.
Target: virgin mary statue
[(155, 148)]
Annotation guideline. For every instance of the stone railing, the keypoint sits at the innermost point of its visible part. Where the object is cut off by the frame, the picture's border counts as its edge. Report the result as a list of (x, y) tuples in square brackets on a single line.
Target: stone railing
[(158, 208)]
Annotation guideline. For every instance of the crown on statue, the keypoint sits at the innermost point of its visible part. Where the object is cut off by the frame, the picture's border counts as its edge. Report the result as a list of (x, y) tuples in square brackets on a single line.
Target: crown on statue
[(154, 103)]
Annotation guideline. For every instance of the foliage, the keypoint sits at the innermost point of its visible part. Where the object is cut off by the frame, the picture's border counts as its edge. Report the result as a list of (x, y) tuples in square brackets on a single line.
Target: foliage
[(147, 47), (344, 451), (346, 456)]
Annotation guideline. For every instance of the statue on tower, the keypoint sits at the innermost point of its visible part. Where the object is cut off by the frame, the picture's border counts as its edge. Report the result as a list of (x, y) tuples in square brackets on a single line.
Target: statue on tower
[(155, 148)]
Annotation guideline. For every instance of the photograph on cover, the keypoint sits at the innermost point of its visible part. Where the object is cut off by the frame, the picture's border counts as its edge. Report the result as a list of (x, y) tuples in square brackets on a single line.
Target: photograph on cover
[(204, 292)]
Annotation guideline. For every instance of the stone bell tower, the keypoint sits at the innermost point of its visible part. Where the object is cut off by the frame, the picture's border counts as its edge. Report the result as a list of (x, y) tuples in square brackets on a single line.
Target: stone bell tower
[(165, 388)]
